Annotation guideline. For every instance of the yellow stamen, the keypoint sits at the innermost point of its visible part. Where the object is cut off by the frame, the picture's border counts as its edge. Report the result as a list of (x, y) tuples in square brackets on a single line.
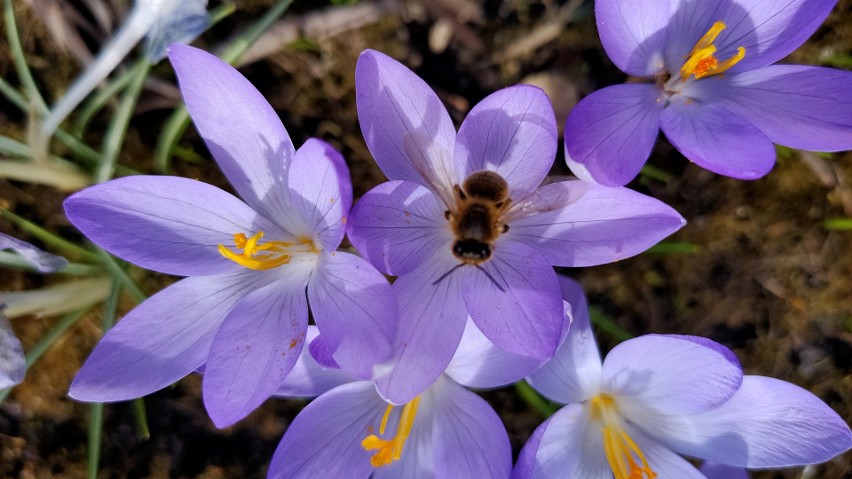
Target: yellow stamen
[(702, 62), (259, 256), (390, 450), (625, 458)]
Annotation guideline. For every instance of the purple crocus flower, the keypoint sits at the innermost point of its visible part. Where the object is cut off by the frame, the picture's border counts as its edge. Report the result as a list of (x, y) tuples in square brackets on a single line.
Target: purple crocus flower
[(467, 226), (13, 365), (243, 309), (43, 262), (710, 85), (447, 431), (655, 397)]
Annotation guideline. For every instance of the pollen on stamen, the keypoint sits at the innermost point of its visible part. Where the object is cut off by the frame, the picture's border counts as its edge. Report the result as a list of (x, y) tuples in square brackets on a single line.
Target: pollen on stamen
[(258, 256), (390, 450), (625, 458), (702, 62)]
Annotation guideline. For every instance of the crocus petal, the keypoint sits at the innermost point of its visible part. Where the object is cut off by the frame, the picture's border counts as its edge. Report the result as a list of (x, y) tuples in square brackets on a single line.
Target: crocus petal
[(515, 301), (468, 436), (322, 353), (598, 225), (768, 30), (478, 363), (717, 139), (397, 226), (405, 125), (512, 132), (672, 374), (633, 34), (308, 378), (355, 309), (13, 364), (43, 262), (574, 373), (610, 133), (797, 106), (714, 470), (320, 194), (767, 423), (324, 440), (161, 340), (254, 350), (165, 223), (571, 447), (525, 465), (431, 323), (240, 128)]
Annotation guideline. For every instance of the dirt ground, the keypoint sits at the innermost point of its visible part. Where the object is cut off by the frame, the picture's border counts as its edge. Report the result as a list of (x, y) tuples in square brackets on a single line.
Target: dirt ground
[(765, 277)]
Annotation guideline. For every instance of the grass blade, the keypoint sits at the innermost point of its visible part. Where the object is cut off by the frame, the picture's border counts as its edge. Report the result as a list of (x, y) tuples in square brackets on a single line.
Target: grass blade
[(121, 120)]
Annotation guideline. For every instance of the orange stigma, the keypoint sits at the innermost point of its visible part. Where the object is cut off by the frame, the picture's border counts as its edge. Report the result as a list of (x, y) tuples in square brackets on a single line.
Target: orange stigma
[(702, 62), (271, 254), (390, 450), (625, 458)]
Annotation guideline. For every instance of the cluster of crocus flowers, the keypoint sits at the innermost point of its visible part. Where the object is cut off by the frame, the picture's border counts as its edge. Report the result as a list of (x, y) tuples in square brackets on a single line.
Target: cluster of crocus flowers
[(472, 229), (706, 77), (242, 312), (655, 397), (468, 226)]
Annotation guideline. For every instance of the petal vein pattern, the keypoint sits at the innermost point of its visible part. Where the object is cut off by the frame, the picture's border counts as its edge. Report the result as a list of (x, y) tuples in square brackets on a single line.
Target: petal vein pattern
[(161, 340)]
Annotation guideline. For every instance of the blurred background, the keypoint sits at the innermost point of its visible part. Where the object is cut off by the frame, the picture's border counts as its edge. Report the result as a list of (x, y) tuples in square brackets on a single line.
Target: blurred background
[(764, 267)]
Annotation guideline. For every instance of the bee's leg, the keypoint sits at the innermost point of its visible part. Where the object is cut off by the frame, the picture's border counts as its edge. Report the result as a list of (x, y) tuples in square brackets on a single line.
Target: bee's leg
[(502, 227), (460, 196), (448, 215)]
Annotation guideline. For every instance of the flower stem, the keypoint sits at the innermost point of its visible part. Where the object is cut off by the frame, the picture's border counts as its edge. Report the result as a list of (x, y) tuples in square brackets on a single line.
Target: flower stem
[(96, 410), (605, 324), (534, 400)]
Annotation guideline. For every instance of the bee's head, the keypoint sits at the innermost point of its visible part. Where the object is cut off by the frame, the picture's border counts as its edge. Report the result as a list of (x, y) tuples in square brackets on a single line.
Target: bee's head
[(471, 250)]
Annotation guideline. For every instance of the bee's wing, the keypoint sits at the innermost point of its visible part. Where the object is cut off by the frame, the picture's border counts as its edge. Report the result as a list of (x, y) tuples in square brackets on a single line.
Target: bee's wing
[(546, 198)]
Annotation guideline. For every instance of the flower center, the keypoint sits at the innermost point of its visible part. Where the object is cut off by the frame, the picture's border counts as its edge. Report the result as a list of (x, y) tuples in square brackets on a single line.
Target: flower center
[(390, 450), (625, 458), (268, 255), (702, 61)]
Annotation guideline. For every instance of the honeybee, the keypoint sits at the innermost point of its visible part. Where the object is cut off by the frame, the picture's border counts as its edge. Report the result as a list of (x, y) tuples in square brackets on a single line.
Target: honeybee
[(480, 201), (476, 222)]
